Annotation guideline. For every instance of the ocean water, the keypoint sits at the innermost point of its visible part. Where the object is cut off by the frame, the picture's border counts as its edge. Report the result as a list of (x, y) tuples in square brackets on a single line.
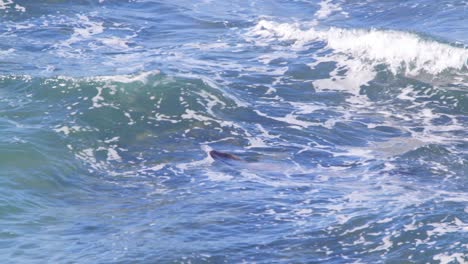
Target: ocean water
[(350, 119)]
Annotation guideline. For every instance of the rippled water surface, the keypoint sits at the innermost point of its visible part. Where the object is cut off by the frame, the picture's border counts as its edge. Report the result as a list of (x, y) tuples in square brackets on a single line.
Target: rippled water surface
[(349, 119)]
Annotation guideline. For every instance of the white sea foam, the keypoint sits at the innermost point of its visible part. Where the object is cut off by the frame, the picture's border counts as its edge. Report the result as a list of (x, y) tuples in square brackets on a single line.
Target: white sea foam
[(128, 78), (290, 119), (115, 42), (113, 155), (400, 51), (451, 258), (8, 4), (87, 29), (7, 52), (83, 30), (357, 74), (326, 9), (218, 176), (67, 130), (4, 4)]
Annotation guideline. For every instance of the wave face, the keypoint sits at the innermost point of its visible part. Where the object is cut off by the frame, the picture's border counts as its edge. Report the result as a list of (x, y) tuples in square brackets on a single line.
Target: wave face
[(348, 123)]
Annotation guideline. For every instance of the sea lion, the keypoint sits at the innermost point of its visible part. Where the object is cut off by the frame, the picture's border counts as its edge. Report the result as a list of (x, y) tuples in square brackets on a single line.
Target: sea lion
[(235, 161), (223, 156)]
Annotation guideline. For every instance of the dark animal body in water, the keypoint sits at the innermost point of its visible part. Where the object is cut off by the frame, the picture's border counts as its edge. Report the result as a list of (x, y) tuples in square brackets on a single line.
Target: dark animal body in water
[(223, 156), (237, 162)]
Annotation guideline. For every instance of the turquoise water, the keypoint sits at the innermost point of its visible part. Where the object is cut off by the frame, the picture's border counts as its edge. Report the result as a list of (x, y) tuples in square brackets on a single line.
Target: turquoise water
[(350, 120)]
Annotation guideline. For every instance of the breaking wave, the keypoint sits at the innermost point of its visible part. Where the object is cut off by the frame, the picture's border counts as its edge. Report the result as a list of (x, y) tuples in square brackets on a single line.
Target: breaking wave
[(400, 51)]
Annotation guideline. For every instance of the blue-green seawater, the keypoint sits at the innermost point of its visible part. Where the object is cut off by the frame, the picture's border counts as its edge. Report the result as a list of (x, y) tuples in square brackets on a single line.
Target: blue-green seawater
[(350, 117)]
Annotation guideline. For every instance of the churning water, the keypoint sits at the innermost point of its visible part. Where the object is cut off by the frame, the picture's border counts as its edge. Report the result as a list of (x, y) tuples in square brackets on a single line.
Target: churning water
[(350, 117)]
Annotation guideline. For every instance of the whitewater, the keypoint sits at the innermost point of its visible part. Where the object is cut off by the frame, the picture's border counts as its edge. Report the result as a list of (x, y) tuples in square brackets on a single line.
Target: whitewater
[(344, 127)]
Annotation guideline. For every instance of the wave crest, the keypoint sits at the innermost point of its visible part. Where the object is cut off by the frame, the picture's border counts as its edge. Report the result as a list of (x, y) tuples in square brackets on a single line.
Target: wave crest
[(401, 51)]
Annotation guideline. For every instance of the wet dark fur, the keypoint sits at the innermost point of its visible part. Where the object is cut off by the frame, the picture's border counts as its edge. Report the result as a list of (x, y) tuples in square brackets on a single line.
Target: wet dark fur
[(218, 155)]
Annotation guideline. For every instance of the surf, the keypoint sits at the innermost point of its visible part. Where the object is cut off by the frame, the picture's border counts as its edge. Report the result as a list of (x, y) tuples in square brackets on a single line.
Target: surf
[(400, 51)]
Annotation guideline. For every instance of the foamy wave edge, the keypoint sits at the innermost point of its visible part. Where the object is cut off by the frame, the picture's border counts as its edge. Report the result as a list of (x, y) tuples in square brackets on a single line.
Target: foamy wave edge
[(401, 51), (120, 78)]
